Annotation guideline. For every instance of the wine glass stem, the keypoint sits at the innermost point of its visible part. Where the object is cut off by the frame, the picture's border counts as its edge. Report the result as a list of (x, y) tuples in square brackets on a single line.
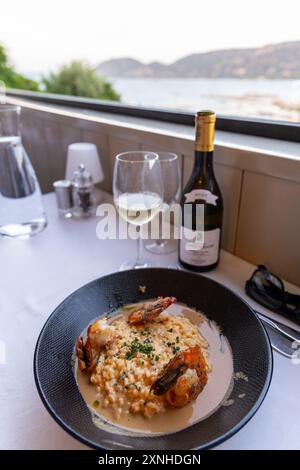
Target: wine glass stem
[(160, 242), (139, 245)]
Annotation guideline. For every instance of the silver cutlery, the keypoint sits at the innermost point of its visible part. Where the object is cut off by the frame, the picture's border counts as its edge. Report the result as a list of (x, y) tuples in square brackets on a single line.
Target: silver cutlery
[(281, 336)]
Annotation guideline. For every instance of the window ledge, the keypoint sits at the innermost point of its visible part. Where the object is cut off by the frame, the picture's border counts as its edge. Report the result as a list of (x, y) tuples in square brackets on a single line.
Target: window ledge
[(281, 158)]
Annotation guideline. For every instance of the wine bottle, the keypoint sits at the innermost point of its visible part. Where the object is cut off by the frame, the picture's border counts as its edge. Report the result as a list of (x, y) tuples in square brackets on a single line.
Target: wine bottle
[(199, 248)]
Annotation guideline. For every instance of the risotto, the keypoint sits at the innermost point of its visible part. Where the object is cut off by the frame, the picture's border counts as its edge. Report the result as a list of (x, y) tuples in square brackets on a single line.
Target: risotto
[(145, 360)]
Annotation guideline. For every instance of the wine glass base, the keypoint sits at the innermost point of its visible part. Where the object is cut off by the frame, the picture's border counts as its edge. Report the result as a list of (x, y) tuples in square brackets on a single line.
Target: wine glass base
[(163, 247), (135, 264), (174, 266)]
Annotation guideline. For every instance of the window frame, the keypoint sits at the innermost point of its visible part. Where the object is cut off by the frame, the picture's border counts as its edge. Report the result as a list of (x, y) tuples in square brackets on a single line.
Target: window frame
[(272, 129)]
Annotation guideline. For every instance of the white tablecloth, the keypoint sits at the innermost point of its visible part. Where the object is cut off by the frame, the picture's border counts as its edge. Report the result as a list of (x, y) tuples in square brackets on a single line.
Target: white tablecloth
[(39, 273)]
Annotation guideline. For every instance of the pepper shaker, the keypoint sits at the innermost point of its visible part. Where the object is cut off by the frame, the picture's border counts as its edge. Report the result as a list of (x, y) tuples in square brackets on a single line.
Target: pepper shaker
[(84, 200)]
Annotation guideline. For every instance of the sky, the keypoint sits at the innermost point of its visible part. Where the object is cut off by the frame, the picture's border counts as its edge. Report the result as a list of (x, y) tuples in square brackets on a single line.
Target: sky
[(41, 35)]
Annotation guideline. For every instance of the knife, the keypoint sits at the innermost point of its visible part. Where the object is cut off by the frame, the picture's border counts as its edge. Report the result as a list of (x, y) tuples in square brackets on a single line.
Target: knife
[(287, 331)]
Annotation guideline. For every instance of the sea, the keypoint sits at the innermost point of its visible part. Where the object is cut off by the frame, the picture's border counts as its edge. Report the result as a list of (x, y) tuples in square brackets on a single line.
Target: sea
[(270, 99), (263, 98)]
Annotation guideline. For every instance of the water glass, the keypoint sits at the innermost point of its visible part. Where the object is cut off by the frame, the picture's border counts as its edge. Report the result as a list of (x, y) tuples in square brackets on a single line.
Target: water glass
[(21, 210)]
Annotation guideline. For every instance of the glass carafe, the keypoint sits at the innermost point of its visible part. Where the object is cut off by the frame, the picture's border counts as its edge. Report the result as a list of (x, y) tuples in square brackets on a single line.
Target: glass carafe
[(21, 210)]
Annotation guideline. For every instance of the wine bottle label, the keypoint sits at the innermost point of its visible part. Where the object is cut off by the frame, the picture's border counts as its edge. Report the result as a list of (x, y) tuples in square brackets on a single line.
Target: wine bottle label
[(202, 250), (202, 194)]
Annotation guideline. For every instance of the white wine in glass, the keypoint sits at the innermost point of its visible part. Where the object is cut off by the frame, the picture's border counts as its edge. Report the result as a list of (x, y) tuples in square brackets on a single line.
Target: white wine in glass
[(138, 194), (138, 208)]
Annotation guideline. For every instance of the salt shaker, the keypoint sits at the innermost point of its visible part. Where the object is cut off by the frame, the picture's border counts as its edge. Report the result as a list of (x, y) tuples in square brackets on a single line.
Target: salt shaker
[(84, 200), (63, 191)]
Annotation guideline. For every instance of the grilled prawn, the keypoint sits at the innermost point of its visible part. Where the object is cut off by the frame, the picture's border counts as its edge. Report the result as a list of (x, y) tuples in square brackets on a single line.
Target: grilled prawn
[(183, 378), (99, 334), (149, 311)]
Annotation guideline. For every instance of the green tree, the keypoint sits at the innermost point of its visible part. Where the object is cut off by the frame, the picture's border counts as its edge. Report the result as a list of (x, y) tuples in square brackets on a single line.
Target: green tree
[(79, 79), (10, 77)]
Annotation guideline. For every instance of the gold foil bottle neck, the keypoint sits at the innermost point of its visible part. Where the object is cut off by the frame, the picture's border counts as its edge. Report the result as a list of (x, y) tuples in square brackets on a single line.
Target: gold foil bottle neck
[(205, 131)]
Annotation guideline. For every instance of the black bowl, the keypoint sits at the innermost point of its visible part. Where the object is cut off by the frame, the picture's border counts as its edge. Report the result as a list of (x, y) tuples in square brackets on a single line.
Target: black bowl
[(249, 342)]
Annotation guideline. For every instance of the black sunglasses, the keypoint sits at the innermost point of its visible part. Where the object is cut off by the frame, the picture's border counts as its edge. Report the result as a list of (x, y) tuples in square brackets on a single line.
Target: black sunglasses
[(268, 290)]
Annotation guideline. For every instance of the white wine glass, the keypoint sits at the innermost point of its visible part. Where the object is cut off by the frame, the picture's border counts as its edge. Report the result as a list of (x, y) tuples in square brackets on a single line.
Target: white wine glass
[(171, 175), (138, 194)]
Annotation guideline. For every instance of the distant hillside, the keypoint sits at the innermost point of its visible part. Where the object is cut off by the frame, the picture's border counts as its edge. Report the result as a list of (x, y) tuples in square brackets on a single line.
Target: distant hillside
[(273, 61)]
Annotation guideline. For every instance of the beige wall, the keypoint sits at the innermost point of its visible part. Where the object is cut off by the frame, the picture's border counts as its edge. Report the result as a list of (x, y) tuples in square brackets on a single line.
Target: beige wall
[(261, 191)]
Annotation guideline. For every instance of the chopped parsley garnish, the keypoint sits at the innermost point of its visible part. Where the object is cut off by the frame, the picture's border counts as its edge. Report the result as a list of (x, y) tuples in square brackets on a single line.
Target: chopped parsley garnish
[(170, 330), (133, 385), (169, 344), (177, 339), (176, 349), (136, 347), (96, 403), (157, 358)]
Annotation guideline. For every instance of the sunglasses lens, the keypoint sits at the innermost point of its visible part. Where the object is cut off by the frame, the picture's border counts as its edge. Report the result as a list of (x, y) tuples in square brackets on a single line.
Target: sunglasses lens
[(268, 290), (269, 287), (274, 281)]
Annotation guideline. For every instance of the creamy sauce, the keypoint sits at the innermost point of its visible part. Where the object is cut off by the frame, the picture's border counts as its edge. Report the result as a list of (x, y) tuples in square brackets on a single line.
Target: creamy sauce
[(216, 391)]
